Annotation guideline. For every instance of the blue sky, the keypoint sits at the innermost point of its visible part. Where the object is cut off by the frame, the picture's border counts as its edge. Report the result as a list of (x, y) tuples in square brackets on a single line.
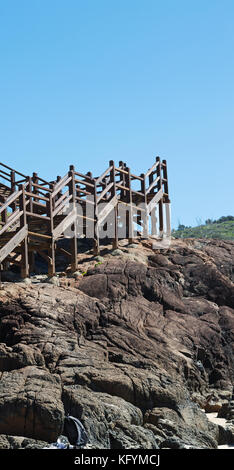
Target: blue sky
[(83, 82)]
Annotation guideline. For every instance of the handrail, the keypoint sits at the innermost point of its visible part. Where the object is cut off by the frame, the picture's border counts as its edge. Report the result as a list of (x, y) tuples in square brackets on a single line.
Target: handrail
[(10, 200), (63, 204), (105, 191), (100, 178), (15, 171), (11, 220), (60, 185), (36, 196), (56, 204), (153, 184), (153, 168), (84, 183), (83, 176)]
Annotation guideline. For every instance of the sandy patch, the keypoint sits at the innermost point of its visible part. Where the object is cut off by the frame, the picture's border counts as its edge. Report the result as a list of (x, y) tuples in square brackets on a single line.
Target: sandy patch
[(222, 421)]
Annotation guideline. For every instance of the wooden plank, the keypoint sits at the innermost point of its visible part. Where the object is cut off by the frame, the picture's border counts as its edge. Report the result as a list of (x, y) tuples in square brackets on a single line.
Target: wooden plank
[(65, 252), (9, 168), (121, 170), (85, 217), (38, 216), (87, 193), (120, 186), (87, 176), (62, 183), (85, 183), (86, 201), (107, 209), (98, 180), (40, 235), (10, 200), (165, 181), (36, 185), (138, 192), (153, 184), (13, 243), (11, 220), (135, 177), (66, 222), (62, 205), (36, 196), (61, 198), (153, 168), (109, 186), (155, 200)]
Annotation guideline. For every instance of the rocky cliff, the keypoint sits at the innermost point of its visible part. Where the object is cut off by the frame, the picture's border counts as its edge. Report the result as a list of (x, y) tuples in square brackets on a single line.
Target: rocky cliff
[(138, 345)]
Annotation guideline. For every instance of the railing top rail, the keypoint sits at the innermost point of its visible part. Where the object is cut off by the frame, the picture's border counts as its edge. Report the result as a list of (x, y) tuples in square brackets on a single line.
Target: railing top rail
[(153, 168), (60, 184), (10, 200), (3, 172), (12, 169), (100, 178), (83, 176), (49, 183)]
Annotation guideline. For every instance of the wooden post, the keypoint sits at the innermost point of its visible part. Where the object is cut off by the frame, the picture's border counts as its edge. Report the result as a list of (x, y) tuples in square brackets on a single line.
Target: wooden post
[(166, 199), (165, 182), (87, 227), (60, 192), (4, 213), (24, 243), (72, 192), (160, 204), (129, 218), (13, 188), (145, 217), (51, 247), (29, 180), (96, 246), (113, 194), (12, 181), (153, 212), (31, 259), (34, 190)]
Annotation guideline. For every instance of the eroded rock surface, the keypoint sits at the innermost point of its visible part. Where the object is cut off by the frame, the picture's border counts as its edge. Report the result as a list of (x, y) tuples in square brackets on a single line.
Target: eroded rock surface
[(135, 348)]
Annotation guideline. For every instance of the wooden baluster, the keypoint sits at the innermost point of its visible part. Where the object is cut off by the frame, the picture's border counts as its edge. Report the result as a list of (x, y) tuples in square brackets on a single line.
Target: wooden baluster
[(165, 182), (87, 208), (96, 245), (13, 188), (4, 213), (153, 211), (24, 243), (166, 199), (144, 215), (72, 192), (113, 194), (51, 247), (129, 213), (160, 204), (34, 191)]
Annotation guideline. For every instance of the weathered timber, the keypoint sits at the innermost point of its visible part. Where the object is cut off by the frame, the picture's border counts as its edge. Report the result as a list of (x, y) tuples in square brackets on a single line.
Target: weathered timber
[(34, 213)]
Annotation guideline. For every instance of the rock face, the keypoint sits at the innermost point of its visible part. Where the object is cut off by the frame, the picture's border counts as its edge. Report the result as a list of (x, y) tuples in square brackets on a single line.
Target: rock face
[(135, 348)]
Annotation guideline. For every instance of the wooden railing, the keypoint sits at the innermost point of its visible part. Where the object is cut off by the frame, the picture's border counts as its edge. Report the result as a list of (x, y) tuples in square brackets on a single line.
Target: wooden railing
[(24, 199), (14, 229)]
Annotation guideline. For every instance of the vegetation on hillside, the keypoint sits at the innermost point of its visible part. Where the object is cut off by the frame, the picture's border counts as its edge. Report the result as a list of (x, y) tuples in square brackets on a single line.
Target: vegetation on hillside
[(223, 229)]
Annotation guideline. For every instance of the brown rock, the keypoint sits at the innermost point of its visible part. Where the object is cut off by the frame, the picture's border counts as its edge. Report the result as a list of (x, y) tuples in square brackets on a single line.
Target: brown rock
[(126, 349)]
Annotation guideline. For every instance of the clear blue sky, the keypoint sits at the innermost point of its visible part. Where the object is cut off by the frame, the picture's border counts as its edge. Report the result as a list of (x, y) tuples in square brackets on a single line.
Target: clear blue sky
[(83, 82)]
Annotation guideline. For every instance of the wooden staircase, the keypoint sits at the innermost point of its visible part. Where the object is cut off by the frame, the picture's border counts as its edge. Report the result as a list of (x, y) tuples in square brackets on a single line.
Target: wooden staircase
[(36, 214)]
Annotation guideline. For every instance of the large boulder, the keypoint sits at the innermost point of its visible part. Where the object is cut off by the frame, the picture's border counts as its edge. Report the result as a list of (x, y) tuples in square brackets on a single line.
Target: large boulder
[(133, 349), (30, 404)]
